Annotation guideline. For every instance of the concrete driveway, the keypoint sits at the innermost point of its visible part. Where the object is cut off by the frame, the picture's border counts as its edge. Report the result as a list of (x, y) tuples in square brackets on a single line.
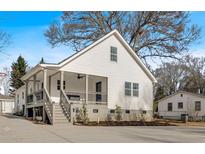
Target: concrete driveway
[(15, 129)]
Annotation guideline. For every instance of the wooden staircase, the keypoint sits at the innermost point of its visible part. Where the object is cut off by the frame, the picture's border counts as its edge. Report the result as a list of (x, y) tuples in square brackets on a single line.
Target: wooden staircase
[(58, 115)]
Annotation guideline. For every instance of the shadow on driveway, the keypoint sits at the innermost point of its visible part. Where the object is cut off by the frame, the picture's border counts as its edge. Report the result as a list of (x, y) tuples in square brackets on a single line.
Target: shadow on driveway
[(11, 116)]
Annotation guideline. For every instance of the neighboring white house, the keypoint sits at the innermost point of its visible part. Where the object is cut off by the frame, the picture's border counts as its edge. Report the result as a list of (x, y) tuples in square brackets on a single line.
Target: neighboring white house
[(105, 74), (180, 103), (20, 99), (6, 104)]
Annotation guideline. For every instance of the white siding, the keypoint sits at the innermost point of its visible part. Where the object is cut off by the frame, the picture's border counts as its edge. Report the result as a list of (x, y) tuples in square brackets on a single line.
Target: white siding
[(188, 105), (19, 103), (7, 106), (97, 62)]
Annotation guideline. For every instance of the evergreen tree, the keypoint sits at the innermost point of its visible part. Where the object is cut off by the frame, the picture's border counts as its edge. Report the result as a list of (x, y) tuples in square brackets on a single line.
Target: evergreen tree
[(18, 69), (159, 95), (42, 61)]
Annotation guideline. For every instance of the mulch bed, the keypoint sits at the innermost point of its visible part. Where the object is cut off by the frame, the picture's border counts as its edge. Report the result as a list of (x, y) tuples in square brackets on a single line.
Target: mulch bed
[(127, 123)]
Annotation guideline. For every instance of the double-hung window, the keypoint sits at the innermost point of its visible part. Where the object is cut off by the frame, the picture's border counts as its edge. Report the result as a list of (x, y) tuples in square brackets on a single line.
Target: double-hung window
[(59, 84), (169, 106), (180, 105), (127, 88), (135, 89), (113, 54), (22, 95), (197, 106)]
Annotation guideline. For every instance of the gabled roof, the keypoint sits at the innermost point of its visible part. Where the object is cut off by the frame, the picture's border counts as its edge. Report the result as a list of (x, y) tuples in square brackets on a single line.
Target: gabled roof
[(77, 54), (183, 92)]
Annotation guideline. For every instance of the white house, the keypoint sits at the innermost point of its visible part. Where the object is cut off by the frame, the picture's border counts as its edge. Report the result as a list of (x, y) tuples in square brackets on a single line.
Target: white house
[(20, 99), (180, 103), (105, 74), (6, 104)]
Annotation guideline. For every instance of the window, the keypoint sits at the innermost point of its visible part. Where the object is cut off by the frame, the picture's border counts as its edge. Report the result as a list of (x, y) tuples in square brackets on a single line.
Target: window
[(59, 85), (180, 105), (197, 106), (169, 106), (112, 111), (42, 85), (17, 99), (22, 95), (64, 85), (113, 54), (95, 110), (135, 89), (181, 95), (98, 88), (127, 111), (127, 88)]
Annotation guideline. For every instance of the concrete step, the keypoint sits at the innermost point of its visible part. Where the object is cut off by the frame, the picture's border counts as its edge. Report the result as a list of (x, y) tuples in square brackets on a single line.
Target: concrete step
[(58, 112), (59, 109), (60, 121)]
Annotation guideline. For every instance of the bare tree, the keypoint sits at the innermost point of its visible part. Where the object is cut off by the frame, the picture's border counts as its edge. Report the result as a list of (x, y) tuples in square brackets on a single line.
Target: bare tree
[(187, 74), (150, 34), (194, 81), (170, 76)]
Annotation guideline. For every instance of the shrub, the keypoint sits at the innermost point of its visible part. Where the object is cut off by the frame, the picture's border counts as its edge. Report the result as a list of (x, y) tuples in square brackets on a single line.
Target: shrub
[(118, 113), (81, 115), (109, 117), (141, 116)]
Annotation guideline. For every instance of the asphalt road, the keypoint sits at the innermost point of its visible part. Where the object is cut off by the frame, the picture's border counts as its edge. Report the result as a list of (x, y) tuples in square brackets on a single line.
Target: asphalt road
[(14, 129)]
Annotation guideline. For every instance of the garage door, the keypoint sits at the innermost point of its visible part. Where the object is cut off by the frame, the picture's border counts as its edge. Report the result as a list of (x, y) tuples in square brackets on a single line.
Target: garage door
[(7, 107)]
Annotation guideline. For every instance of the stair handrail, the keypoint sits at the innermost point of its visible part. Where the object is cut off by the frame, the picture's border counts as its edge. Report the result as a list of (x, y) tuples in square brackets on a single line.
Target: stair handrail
[(63, 103), (48, 102)]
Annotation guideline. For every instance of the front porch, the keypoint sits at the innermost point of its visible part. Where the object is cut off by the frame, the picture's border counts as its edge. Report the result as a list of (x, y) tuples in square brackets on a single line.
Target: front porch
[(47, 89)]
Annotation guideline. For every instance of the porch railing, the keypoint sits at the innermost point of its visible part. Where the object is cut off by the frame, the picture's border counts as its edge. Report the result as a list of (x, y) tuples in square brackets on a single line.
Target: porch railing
[(92, 97), (29, 98), (36, 96), (48, 105), (65, 105), (39, 95)]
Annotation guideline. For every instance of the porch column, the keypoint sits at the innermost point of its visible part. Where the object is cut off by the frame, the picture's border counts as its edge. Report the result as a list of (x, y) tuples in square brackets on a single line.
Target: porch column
[(34, 113), (86, 88), (26, 94), (44, 114), (45, 78), (61, 79), (34, 88)]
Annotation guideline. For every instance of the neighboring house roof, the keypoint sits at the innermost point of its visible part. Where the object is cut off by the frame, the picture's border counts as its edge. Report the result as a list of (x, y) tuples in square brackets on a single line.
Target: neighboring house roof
[(184, 92), (77, 54), (5, 97)]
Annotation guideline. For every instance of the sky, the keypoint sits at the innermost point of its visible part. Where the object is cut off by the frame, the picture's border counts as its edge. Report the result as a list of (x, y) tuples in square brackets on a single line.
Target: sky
[(27, 36)]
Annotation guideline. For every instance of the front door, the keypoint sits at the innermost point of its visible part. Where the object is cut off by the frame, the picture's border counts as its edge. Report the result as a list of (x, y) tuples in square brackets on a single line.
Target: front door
[(98, 91)]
